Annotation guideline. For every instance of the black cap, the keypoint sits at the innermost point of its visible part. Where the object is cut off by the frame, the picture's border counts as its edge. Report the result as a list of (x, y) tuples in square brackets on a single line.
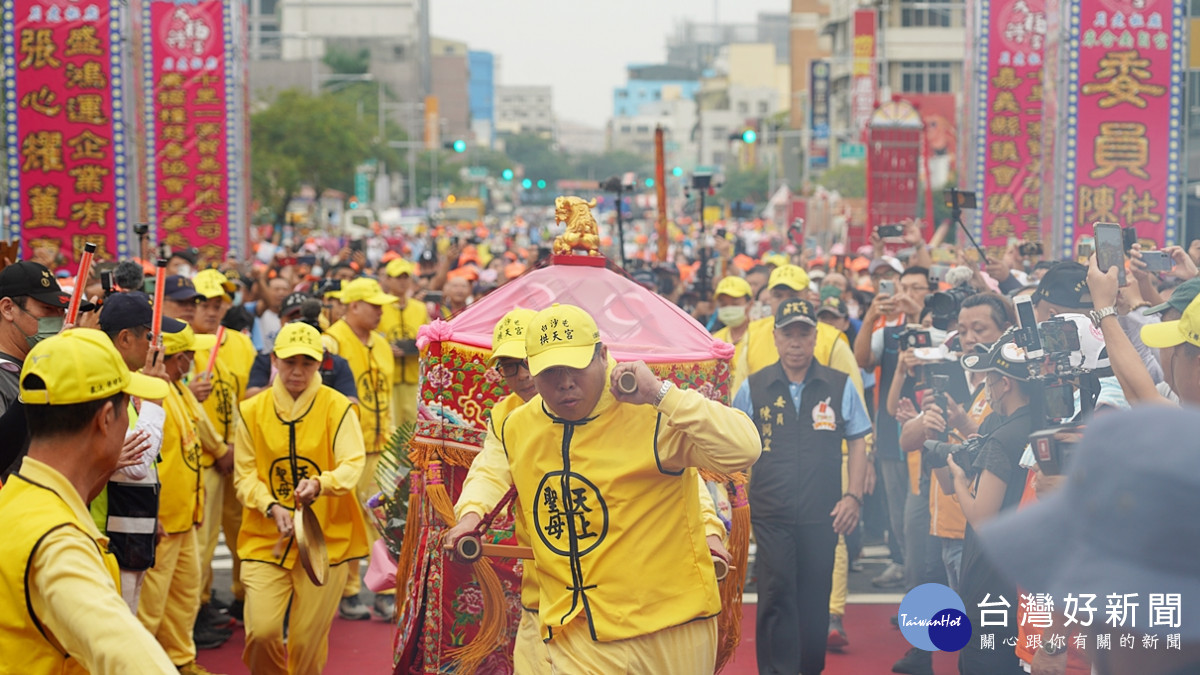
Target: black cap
[(29, 279), (795, 310), (292, 303), (427, 256), (834, 306), (1065, 285), (1004, 357), (179, 289), (130, 310), (191, 255)]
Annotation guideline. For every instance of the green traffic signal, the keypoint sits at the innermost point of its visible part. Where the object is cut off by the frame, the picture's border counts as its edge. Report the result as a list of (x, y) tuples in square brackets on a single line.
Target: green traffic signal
[(749, 136), (526, 183), (541, 185), (460, 145), (677, 171), (507, 174), (649, 182)]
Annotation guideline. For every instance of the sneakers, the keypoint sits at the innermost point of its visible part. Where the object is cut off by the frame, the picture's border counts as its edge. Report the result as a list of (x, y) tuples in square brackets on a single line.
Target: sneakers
[(194, 668), (915, 662), (837, 634), (210, 616), (237, 610), (385, 607), (209, 637), (892, 577), (353, 609)]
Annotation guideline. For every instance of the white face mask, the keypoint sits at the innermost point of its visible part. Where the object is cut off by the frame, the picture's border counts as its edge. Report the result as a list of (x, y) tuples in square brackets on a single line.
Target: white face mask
[(732, 315)]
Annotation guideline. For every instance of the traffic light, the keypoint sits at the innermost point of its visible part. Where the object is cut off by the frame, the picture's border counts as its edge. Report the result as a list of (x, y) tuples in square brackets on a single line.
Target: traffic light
[(507, 174), (353, 203), (526, 183), (677, 171), (649, 182), (749, 136), (450, 199), (459, 145), (541, 185)]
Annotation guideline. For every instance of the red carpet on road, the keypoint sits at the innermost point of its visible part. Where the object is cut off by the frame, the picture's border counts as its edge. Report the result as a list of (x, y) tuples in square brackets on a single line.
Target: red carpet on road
[(365, 647)]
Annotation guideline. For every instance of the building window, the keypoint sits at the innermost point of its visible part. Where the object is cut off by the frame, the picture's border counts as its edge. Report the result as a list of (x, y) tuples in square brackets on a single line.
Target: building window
[(643, 129), (762, 107), (743, 108), (625, 128), (720, 133), (920, 13), (925, 77)]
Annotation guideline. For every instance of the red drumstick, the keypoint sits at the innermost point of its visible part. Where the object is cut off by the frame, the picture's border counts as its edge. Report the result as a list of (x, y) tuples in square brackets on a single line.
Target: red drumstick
[(81, 277), (212, 357), (160, 282)]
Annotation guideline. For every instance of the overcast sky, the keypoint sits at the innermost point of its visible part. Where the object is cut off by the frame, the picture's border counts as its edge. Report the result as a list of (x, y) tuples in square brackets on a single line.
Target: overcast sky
[(579, 48)]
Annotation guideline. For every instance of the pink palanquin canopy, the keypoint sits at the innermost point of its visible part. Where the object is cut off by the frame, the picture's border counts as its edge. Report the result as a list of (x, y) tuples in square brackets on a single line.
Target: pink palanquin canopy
[(634, 322)]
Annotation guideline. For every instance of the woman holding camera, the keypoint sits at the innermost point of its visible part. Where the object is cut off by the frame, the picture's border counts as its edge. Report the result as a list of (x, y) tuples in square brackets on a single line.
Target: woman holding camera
[(991, 483)]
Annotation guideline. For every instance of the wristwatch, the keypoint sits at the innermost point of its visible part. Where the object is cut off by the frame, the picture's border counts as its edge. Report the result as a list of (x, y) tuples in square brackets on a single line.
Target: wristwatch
[(1098, 315), (662, 392), (1050, 650)]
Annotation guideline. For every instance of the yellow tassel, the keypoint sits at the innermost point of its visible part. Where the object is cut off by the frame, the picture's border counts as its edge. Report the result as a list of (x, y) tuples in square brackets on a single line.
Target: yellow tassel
[(729, 624), (435, 492), (491, 626), (412, 533)]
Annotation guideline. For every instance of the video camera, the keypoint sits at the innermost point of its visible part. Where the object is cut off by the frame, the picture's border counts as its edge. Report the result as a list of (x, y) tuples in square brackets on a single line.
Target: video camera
[(964, 454), (944, 305), (914, 336)]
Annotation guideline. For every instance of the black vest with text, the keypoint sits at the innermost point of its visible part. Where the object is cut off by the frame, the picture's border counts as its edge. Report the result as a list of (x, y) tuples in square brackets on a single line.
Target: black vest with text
[(798, 478)]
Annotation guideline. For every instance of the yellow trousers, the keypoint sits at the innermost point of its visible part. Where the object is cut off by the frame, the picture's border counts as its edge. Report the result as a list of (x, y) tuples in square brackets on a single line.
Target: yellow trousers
[(222, 511), (530, 654), (687, 648), (268, 589), (171, 596), (841, 561), (365, 489), (404, 403)]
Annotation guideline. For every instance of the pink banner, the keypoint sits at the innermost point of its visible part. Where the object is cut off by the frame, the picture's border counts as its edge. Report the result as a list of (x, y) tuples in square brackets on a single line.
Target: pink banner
[(188, 124), (66, 140), (863, 78), (1009, 122), (1123, 144)]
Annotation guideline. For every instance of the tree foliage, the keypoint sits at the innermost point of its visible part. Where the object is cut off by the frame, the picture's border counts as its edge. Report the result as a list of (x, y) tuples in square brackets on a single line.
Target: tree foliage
[(849, 180), (750, 185)]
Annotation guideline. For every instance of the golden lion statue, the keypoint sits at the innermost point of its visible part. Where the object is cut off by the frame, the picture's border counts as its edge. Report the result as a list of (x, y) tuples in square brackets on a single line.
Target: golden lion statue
[(582, 232)]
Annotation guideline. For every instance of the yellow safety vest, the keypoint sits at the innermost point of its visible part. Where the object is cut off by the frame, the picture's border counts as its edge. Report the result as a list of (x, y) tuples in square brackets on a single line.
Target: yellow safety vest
[(30, 511), (340, 516), (402, 324), (529, 580), (234, 360), (614, 536), (760, 343), (373, 367), (181, 499)]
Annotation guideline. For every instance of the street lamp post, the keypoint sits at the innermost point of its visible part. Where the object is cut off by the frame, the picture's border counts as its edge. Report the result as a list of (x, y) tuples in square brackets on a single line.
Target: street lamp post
[(615, 184)]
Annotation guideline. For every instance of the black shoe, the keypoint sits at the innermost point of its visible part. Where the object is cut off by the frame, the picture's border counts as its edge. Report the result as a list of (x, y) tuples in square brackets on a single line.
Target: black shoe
[(210, 616), (915, 662), (385, 607), (207, 637), (353, 609), (237, 609), (218, 604)]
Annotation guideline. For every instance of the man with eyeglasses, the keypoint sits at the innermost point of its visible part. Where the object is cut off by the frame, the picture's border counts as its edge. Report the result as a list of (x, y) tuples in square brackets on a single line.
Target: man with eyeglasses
[(32, 306), (608, 481), (489, 479)]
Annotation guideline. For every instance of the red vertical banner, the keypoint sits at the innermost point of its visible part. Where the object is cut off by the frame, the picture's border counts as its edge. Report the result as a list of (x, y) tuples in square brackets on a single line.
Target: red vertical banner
[(1123, 90), (189, 122), (894, 148), (1009, 122), (864, 83), (64, 129)]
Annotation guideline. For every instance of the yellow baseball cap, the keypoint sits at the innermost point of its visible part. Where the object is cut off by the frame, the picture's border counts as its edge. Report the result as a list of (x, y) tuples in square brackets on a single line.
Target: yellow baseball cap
[(299, 338), (776, 259), (185, 340), (366, 290), (508, 338), (560, 335), (1172, 333), (792, 276), (86, 367), (399, 266), (212, 284), (734, 287)]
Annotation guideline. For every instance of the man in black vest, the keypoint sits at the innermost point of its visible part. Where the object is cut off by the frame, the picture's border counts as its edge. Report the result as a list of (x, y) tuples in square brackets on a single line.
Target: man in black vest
[(803, 411)]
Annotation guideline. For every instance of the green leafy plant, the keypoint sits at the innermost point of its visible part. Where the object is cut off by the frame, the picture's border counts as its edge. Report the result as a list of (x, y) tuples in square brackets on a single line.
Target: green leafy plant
[(390, 507)]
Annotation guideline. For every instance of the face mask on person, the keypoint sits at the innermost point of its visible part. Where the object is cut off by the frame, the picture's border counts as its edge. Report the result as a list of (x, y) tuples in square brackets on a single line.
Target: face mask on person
[(48, 326), (237, 299), (186, 271), (732, 315)]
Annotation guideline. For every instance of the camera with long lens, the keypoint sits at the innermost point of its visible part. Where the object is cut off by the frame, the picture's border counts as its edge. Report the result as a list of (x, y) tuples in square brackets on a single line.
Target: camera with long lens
[(944, 305), (964, 454)]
